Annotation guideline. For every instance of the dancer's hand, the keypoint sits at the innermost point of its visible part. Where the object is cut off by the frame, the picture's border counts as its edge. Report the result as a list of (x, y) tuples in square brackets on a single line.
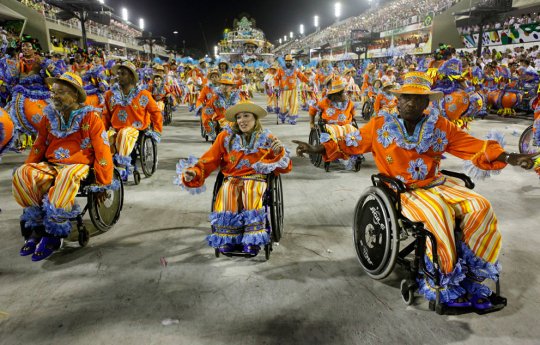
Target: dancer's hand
[(304, 147), (277, 146), (189, 175)]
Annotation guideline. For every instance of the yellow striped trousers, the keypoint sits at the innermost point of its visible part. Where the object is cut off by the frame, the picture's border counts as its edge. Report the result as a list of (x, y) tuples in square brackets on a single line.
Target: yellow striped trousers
[(240, 194), (289, 102), (61, 181), (439, 206), (124, 140)]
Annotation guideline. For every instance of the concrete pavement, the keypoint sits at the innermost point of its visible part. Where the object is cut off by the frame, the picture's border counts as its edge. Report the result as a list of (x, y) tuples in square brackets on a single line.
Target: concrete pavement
[(153, 280)]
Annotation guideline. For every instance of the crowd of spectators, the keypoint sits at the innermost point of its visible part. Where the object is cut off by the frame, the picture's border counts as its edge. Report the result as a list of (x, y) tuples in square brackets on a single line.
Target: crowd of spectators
[(392, 15), (510, 22)]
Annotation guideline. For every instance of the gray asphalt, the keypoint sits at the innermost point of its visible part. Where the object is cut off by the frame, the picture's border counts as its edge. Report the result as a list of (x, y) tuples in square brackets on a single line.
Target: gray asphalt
[(153, 280)]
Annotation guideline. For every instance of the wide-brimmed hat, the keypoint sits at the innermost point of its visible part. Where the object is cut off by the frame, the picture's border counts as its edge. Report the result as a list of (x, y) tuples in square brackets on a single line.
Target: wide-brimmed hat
[(289, 57), (338, 85), (245, 107), (212, 71), (224, 62), (158, 67), (238, 67), (253, 42), (129, 66), (227, 79), (73, 80), (418, 83)]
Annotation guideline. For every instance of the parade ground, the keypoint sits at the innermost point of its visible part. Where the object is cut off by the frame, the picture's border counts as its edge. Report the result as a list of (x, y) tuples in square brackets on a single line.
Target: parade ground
[(152, 279)]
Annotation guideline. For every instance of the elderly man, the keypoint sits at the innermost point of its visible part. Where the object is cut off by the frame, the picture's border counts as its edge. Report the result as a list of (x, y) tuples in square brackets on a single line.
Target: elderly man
[(129, 109), (409, 147), (70, 140)]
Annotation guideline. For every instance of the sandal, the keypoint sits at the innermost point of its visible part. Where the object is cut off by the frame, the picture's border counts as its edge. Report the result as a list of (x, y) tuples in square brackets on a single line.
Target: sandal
[(481, 302), (46, 247), (251, 249), (29, 246)]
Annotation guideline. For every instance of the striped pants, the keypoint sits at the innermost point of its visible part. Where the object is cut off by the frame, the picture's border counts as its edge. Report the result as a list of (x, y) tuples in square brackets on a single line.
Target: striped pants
[(333, 133), (271, 101), (239, 216), (124, 142), (289, 103), (47, 192), (438, 207)]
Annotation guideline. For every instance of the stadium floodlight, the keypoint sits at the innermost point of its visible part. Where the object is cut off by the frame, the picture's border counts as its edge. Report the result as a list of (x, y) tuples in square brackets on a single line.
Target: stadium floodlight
[(141, 23), (337, 9), (301, 29), (175, 32), (124, 14), (280, 41), (285, 38), (291, 34), (101, 1), (316, 21), (216, 51)]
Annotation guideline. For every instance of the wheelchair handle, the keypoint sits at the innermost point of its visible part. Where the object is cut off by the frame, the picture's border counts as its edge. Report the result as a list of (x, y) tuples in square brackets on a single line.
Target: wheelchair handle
[(397, 184), (468, 182)]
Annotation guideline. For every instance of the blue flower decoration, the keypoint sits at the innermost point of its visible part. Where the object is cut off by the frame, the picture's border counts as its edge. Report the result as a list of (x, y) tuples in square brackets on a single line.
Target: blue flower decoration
[(208, 96), (353, 138), (143, 101), (243, 163), (61, 153), (137, 124), (417, 169), (439, 140), (105, 138), (36, 118), (122, 115), (325, 137), (342, 117), (330, 111), (384, 136), (85, 143)]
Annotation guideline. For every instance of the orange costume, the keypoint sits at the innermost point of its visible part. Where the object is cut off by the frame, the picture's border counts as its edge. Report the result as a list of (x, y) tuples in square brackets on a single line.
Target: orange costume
[(431, 197), (46, 185), (7, 131), (239, 216), (127, 115), (287, 81), (385, 101)]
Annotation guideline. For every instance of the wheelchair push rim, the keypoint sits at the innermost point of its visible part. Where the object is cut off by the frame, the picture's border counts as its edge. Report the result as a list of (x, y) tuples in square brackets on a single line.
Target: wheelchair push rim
[(148, 155), (526, 141), (276, 207), (105, 214), (375, 233)]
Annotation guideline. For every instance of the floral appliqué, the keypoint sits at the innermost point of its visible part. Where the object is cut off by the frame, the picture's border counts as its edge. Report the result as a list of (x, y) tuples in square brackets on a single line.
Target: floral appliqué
[(417, 169), (61, 153)]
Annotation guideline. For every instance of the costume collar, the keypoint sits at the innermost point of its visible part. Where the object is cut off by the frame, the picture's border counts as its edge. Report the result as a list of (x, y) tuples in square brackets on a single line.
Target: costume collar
[(59, 127)]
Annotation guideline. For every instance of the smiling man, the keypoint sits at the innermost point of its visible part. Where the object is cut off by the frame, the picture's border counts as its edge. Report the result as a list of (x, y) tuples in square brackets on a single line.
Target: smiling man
[(409, 147), (71, 140)]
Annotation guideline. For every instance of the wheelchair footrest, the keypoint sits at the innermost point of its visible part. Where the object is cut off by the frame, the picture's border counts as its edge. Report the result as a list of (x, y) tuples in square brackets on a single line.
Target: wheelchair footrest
[(498, 303)]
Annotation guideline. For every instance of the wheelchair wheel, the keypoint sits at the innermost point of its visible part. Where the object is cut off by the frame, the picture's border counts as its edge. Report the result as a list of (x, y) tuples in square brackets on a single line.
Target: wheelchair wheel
[(276, 206), (167, 119), (526, 141), (267, 251), (407, 291), (314, 139), (84, 235), (104, 215), (375, 233), (367, 110), (136, 177), (216, 252), (148, 157)]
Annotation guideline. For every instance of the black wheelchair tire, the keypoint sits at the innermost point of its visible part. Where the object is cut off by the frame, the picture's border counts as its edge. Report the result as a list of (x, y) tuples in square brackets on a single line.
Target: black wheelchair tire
[(407, 292), (276, 207), (105, 218), (148, 168), (84, 235), (314, 139), (526, 141), (386, 250), (136, 177), (267, 251), (367, 110)]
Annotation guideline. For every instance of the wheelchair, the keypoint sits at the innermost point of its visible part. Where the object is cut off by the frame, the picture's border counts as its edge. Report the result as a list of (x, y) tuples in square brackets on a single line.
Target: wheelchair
[(104, 215), (167, 111), (315, 139), (367, 108), (378, 229), (527, 143), (273, 205), (145, 152)]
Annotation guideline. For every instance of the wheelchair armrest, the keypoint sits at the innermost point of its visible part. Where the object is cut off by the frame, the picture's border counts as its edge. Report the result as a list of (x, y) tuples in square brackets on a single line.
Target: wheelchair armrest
[(354, 123), (468, 182), (395, 183)]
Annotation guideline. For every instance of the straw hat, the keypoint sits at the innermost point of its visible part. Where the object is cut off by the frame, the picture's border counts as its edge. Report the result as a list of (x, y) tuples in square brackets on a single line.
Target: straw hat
[(338, 85), (212, 71), (158, 67), (227, 79), (288, 57), (238, 67), (73, 80), (129, 66), (418, 83), (245, 107)]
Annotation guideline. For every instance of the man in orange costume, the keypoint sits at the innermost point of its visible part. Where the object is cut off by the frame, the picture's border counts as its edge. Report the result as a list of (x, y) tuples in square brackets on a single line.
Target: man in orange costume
[(129, 109), (286, 80)]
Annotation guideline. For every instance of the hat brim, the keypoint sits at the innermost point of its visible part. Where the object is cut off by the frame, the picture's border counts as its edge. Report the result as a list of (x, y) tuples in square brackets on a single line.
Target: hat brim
[(258, 111), (433, 95), (80, 91), (115, 69), (331, 92), (227, 82)]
